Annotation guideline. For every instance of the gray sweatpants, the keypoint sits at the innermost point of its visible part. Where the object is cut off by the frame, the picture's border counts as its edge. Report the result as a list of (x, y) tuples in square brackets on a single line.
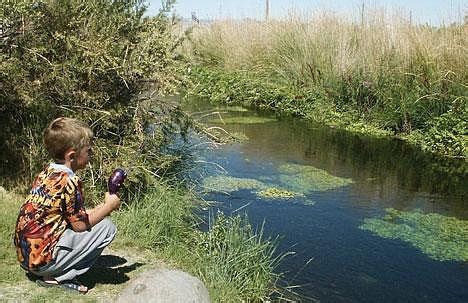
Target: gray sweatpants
[(76, 252)]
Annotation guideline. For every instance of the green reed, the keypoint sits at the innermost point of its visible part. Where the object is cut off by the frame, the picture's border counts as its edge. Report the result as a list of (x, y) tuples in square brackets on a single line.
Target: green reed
[(393, 75), (233, 260)]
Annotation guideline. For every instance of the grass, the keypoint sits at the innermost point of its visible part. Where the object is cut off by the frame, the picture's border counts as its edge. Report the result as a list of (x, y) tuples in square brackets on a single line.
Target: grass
[(161, 216), (383, 75), (9, 207), (15, 285), (233, 261), (236, 263)]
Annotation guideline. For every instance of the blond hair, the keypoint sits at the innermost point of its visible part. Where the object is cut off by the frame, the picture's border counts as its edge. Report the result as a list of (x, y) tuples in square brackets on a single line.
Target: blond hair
[(64, 133)]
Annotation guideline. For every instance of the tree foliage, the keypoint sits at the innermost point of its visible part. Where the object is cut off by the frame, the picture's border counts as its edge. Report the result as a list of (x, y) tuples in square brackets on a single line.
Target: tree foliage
[(101, 61)]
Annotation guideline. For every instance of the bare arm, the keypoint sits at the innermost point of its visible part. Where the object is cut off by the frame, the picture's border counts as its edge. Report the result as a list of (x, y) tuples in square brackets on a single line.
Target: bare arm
[(92, 210), (95, 215)]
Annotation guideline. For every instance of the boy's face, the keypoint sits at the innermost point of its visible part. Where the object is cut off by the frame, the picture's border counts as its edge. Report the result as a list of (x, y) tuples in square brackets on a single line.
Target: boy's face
[(81, 158)]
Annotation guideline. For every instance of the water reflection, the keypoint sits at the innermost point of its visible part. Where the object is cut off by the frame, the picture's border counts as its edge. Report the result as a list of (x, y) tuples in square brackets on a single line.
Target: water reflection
[(335, 260), (385, 169)]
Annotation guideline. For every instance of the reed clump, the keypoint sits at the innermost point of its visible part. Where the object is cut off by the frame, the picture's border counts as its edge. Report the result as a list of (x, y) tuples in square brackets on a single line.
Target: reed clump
[(235, 261), (388, 74)]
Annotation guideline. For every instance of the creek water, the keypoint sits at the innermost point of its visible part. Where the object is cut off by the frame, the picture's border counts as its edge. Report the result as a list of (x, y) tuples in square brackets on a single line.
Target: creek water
[(339, 255)]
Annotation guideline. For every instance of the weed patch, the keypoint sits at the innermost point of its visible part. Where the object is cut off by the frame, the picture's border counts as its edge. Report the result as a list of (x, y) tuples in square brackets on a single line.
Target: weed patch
[(379, 78), (302, 178), (441, 238)]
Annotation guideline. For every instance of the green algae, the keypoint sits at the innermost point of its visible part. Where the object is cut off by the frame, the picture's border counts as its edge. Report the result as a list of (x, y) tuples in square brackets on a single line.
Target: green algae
[(239, 137), (304, 178), (278, 193), (275, 193), (243, 120), (237, 109), (231, 184), (441, 238), (266, 179), (222, 136), (228, 184)]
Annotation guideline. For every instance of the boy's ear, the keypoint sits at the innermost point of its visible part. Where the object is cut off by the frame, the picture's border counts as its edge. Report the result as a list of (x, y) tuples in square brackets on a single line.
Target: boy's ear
[(70, 154)]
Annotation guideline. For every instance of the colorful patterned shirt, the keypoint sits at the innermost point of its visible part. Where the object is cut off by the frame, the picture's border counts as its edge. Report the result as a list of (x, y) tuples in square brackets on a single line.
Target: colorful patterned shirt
[(54, 202)]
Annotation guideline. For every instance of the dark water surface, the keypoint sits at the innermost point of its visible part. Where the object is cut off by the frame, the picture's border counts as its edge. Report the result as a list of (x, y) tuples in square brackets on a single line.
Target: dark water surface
[(335, 260)]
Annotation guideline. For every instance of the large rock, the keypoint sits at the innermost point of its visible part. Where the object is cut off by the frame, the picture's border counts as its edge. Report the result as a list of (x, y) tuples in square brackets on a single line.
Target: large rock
[(165, 286)]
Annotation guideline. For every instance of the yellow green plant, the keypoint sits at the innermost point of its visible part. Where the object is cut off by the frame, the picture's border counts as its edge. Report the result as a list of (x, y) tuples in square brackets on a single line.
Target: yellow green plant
[(440, 237), (305, 178)]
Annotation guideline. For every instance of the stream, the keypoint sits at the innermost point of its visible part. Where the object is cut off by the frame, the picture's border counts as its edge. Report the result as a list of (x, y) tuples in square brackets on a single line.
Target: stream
[(366, 219)]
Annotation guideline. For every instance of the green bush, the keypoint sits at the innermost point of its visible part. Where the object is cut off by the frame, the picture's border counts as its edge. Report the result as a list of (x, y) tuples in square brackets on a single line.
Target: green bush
[(99, 61)]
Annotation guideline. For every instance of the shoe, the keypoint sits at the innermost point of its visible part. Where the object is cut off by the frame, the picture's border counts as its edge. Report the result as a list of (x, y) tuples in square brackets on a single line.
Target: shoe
[(68, 285)]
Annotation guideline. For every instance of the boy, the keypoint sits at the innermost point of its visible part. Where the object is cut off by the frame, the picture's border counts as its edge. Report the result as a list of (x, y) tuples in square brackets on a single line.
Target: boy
[(56, 238)]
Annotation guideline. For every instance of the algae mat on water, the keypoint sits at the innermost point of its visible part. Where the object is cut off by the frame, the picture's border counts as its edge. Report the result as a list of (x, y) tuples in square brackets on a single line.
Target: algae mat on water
[(296, 181), (441, 238), (277, 193), (238, 109), (229, 184), (262, 190), (305, 178), (243, 120)]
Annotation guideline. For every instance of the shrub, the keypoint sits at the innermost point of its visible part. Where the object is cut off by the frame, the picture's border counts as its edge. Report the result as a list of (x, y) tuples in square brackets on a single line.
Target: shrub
[(99, 61)]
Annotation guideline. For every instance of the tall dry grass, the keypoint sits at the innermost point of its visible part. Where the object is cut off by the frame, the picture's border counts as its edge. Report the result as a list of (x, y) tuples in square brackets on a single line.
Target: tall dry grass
[(307, 46), (382, 69)]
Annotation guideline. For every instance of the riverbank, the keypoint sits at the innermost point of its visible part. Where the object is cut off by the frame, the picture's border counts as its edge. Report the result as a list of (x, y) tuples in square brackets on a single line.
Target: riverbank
[(157, 230), (109, 65), (353, 210), (445, 135), (379, 78)]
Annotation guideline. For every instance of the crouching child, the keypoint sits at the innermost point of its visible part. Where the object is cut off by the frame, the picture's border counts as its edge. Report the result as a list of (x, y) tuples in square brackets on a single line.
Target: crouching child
[(56, 238)]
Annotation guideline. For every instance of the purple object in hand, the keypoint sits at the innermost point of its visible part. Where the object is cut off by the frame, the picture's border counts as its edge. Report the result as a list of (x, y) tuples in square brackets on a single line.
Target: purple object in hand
[(116, 180)]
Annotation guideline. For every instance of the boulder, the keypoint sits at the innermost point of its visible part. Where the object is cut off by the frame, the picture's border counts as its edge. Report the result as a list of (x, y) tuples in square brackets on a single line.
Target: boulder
[(165, 286)]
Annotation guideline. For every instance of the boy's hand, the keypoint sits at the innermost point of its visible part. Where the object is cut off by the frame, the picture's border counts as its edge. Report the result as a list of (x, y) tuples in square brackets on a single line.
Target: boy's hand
[(112, 200)]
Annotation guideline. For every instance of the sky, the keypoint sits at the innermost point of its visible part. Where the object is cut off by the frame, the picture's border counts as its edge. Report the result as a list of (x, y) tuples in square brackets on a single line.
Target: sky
[(434, 12)]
